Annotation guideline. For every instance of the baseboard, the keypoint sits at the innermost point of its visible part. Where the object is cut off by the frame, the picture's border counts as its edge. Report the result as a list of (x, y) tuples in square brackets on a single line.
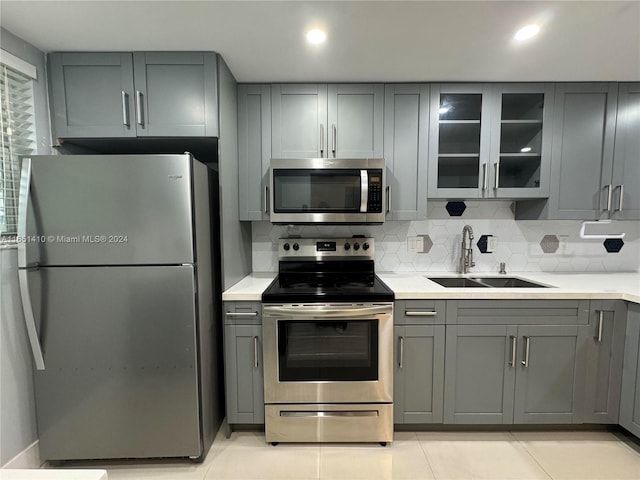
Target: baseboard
[(28, 458)]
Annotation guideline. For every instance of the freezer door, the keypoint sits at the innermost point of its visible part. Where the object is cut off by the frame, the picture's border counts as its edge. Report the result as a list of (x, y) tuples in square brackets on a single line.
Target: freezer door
[(120, 349), (108, 210)]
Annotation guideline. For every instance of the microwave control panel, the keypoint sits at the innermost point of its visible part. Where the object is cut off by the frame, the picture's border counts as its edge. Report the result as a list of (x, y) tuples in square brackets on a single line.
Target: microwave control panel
[(374, 202)]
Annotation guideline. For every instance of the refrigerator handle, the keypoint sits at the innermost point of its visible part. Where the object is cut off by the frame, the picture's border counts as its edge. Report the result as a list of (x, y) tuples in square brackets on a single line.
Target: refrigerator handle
[(23, 281), (23, 200), (29, 320)]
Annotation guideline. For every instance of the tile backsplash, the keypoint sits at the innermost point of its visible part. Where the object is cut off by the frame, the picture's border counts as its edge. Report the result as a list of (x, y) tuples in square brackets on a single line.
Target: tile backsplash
[(525, 246)]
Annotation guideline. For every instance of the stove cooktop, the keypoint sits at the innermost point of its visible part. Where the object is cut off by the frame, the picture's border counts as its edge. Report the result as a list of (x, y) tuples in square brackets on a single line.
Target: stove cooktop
[(339, 290)]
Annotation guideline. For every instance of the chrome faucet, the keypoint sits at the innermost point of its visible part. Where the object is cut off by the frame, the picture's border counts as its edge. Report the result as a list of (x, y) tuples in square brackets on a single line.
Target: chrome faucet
[(466, 254)]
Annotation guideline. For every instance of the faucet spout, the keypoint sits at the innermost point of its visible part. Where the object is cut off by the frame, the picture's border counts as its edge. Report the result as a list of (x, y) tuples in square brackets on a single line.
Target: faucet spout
[(466, 249)]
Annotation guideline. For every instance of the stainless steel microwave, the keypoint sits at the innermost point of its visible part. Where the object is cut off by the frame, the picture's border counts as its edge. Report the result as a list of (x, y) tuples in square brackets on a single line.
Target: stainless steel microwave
[(327, 190)]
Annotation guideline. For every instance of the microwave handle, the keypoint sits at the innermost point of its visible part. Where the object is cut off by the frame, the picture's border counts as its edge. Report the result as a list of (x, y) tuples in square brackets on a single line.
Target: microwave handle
[(364, 190)]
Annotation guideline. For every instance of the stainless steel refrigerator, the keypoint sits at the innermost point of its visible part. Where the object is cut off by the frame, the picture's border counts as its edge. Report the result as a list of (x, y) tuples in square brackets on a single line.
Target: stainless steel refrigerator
[(117, 261)]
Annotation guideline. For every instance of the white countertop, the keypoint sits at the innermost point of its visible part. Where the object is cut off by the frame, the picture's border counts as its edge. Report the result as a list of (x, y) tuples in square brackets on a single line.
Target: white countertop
[(600, 285), (250, 288)]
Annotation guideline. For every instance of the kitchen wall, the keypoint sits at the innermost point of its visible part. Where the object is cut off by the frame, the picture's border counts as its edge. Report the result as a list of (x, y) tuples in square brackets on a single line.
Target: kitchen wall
[(525, 246), (17, 404)]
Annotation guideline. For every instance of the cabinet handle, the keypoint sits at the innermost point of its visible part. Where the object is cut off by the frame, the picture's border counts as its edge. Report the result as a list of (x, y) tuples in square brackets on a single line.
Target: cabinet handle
[(620, 188), (266, 199), (321, 140), (496, 184), (388, 198), (525, 362), (420, 314), (514, 348), (401, 354), (598, 337), (485, 177), (609, 192), (125, 108), (334, 138), (255, 352), (241, 314), (140, 120)]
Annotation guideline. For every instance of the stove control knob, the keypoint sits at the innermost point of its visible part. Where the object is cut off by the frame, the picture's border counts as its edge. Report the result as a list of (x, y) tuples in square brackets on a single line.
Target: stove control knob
[(356, 246), (286, 247), (347, 246), (296, 247), (365, 246)]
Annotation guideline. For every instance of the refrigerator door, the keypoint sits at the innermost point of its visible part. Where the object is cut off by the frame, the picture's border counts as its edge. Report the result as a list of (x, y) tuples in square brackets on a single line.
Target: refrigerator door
[(120, 346), (108, 210)]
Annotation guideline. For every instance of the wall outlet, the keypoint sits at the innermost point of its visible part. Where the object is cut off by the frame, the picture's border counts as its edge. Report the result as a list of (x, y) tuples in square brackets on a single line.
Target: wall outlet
[(415, 244)]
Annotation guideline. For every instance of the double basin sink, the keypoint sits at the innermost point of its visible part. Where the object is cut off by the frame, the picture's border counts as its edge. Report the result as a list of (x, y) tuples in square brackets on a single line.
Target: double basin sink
[(485, 282)]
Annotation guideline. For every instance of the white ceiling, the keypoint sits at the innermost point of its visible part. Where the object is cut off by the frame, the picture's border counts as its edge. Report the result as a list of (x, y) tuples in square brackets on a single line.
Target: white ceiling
[(368, 40)]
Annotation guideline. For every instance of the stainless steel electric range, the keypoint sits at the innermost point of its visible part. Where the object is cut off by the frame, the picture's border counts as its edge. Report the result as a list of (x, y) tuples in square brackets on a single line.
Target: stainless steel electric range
[(328, 344)]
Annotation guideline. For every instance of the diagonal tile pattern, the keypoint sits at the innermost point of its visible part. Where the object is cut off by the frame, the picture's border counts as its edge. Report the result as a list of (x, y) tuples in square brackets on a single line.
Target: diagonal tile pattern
[(521, 455)]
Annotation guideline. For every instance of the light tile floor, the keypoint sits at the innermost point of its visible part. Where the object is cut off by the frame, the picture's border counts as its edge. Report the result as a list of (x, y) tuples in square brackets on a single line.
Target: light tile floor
[(559, 455)]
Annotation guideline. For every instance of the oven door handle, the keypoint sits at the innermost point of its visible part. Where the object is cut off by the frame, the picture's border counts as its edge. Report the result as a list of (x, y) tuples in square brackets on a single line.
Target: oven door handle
[(309, 311)]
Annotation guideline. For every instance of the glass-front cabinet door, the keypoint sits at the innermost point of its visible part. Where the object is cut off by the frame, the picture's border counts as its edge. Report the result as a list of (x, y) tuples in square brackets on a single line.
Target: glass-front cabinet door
[(458, 141), (520, 141), (490, 141)]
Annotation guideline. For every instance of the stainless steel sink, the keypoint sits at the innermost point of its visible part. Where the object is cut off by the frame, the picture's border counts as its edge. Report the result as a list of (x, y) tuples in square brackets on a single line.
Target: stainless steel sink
[(508, 282), (456, 282), (486, 282)]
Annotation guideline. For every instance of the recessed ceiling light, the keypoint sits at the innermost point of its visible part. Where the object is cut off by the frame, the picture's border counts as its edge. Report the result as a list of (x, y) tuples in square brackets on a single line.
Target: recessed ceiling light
[(316, 36), (525, 33), (525, 149)]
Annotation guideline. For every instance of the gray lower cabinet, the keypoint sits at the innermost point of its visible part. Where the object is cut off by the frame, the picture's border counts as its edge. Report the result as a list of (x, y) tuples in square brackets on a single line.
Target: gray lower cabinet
[(140, 94), (406, 132), (330, 121), (244, 382), (515, 361), (605, 348), (254, 150), (630, 399), (550, 374), (419, 361), (479, 374)]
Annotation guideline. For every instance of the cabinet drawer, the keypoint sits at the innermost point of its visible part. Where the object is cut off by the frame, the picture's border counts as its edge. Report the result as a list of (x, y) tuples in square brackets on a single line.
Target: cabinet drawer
[(518, 312), (419, 312), (242, 313)]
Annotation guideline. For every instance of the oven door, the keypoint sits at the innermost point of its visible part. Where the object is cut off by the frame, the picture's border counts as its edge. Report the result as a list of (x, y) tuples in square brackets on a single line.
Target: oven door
[(320, 353)]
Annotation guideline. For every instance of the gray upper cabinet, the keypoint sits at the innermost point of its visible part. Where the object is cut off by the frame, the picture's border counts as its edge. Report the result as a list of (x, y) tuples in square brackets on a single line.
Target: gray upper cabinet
[(582, 153), (625, 186), (459, 141), (630, 399), (144, 94), (406, 130), (490, 140), (176, 94), (520, 153), (330, 121), (91, 94), (605, 347), (254, 150)]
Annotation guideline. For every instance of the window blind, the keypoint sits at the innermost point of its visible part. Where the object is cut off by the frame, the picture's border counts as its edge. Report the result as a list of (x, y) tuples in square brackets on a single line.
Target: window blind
[(18, 139)]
